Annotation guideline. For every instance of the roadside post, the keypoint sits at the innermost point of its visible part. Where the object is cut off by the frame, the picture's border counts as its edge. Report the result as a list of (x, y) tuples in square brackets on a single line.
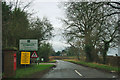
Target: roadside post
[(15, 61), (9, 62), (25, 57), (38, 60), (34, 55), (26, 47)]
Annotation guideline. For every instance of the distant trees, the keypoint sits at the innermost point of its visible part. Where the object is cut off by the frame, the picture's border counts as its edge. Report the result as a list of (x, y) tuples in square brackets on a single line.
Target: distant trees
[(58, 53), (90, 29), (70, 51), (45, 50)]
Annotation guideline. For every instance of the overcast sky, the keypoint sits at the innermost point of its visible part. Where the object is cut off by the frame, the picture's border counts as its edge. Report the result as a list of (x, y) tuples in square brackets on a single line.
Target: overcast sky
[(51, 10)]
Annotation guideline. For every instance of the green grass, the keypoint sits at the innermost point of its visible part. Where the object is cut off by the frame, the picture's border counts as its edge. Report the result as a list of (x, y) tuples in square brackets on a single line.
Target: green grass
[(99, 66), (31, 70), (53, 61), (71, 56)]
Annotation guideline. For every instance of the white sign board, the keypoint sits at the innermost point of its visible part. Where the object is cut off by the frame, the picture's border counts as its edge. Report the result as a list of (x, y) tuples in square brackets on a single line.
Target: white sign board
[(28, 45)]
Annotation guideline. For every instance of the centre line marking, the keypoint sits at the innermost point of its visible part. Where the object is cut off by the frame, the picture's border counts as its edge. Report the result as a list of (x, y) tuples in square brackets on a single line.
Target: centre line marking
[(78, 73)]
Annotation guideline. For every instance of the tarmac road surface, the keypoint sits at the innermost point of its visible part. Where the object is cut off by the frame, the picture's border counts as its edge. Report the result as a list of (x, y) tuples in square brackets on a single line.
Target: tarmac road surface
[(66, 69)]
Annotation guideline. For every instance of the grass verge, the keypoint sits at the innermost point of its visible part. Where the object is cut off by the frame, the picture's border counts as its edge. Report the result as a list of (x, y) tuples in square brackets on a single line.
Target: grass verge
[(31, 70), (52, 61), (96, 65)]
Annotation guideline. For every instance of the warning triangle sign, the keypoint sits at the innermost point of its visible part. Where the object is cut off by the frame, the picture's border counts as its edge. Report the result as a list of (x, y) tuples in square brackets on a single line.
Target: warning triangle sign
[(34, 55)]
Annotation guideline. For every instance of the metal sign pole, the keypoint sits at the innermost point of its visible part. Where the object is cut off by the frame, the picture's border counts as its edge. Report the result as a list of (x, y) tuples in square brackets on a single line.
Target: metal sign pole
[(25, 64)]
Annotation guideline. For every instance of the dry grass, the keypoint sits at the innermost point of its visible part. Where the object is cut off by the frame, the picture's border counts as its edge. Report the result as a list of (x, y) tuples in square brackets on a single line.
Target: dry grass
[(95, 65)]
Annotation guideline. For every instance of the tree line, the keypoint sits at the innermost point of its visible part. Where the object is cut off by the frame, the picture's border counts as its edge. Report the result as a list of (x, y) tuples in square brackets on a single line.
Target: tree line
[(18, 23), (91, 28)]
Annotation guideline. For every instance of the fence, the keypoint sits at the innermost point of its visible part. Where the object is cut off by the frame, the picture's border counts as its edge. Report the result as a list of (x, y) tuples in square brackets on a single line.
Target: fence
[(113, 60)]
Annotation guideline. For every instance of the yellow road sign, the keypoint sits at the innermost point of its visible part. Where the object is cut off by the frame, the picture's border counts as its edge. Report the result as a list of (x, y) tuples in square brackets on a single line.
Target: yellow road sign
[(25, 57)]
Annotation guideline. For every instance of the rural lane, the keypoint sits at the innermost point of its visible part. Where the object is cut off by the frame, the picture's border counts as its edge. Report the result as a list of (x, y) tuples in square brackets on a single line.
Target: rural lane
[(66, 69)]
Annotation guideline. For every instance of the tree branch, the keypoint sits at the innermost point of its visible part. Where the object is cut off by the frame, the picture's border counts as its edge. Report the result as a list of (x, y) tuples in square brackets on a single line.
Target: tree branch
[(26, 6), (115, 7), (112, 14)]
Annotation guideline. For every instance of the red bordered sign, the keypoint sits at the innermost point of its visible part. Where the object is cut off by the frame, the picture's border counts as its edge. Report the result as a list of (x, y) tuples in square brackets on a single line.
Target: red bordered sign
[(34, 55)]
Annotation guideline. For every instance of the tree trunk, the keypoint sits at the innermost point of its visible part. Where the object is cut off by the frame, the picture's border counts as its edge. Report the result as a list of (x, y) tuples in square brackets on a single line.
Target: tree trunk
[(6, 42), (95, 55), (106, 47), (88, 49), (78, 57)]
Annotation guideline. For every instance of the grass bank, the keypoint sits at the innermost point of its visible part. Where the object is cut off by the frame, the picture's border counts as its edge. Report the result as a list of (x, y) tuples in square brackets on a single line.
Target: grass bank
[(31, 70), (96, 65), (52, 61)]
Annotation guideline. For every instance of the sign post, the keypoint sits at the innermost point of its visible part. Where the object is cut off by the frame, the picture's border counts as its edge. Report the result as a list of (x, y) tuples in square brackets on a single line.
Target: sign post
[(34, 55), (28, 45), (25, 57)]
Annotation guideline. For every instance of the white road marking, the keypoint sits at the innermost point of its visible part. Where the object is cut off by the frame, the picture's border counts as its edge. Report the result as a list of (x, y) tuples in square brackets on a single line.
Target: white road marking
[(78, 73)]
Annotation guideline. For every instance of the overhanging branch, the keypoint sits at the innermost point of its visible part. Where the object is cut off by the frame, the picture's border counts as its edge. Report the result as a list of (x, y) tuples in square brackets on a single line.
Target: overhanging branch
[(112, 14)]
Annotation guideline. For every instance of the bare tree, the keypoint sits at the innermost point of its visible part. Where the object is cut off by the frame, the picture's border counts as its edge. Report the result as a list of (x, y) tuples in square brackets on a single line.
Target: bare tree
[(92, 23)]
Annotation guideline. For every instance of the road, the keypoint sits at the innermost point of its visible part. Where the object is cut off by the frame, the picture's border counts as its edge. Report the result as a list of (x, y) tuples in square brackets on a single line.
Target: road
[(70, 70)]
